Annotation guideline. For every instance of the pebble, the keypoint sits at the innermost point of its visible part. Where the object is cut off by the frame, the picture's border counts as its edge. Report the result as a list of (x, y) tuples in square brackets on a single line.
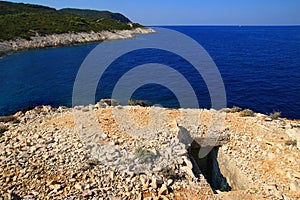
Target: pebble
[(268, 119), (170, 182), (163, 190), (154, 183), (112, 174), (294, 187)]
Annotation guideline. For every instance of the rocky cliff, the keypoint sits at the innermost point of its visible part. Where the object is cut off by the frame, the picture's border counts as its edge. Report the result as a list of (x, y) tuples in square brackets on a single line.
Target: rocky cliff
[(69, 39), (132, 152)]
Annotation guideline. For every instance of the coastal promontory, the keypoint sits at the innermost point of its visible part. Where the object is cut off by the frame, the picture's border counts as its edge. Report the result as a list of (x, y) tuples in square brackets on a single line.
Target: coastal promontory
[(132, 152), (27, 26)]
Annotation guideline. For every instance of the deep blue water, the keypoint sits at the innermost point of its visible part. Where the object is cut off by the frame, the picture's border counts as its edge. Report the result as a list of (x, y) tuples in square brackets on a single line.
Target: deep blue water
[(260, 67)]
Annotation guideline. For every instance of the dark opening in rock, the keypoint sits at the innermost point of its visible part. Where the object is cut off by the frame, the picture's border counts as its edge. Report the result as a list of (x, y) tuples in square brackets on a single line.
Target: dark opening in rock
[(209, 167)]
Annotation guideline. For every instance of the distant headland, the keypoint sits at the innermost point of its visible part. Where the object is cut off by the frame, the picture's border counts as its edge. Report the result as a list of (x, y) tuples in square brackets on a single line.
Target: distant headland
[(28, 26)]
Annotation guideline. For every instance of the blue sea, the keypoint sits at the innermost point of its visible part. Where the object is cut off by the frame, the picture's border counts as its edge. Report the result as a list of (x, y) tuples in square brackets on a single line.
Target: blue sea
[(260, 68)]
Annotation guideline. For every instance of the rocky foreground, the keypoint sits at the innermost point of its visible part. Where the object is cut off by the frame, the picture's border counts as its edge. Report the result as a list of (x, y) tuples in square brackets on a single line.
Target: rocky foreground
[(66, 39), (131, 152)]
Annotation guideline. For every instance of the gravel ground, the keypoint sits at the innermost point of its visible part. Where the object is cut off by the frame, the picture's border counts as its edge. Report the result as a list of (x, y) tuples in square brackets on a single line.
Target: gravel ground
[(129, 152)]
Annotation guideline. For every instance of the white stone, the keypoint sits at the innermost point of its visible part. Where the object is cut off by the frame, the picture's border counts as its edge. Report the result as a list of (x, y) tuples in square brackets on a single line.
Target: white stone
[(163, 190)]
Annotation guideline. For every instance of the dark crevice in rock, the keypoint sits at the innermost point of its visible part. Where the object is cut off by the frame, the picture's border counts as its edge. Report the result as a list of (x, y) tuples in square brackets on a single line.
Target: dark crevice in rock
[(209, 167)]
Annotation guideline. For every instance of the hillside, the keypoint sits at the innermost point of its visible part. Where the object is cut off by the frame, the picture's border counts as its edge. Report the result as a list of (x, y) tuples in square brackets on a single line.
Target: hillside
[(95, 14), (18, 20), (15, 8)]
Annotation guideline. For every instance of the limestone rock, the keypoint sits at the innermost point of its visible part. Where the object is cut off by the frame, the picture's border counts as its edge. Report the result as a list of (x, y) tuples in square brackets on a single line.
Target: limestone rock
[(68, 39), (163, 190)]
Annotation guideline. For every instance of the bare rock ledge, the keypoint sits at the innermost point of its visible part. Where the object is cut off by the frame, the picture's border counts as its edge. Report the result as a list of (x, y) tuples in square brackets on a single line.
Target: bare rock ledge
[(66, 39), (132, 152)]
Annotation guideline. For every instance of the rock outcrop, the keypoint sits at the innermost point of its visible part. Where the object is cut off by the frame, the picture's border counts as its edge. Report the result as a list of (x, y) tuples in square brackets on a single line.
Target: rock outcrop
[(66, 39), (133, 152)]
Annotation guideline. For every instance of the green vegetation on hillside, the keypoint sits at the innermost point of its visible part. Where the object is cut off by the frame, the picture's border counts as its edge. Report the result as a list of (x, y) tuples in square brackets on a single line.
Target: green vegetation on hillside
[(25, 25), (95, 14), (26, 20), (15, 8)]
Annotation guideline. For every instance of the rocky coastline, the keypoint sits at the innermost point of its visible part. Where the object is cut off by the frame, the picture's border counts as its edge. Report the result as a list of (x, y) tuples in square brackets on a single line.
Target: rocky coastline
[(109, 151), (67, 39)]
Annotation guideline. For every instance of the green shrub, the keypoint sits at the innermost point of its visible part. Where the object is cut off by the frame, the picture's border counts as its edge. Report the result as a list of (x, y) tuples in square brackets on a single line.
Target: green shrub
[(92, 162), (16, 121), (247, 113), (2, 130), (136, 25), (235, 109), (143, 155), (275, 115), (169, 173), (133, 102), (295, 125), (9, 118), (291, 143)]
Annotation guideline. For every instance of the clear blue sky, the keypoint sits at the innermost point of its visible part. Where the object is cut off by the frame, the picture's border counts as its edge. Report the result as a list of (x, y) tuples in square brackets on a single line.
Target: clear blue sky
[(196, 12)]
